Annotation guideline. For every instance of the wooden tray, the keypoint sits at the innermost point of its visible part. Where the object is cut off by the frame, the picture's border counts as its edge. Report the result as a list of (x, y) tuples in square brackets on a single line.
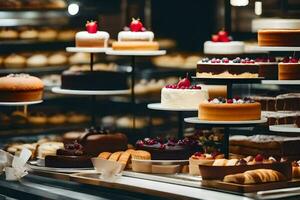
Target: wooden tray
[(218, 172), (242, 189)]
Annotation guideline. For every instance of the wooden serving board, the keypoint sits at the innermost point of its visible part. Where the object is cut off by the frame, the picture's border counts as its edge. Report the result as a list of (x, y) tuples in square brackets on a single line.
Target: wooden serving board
[(242, 189)]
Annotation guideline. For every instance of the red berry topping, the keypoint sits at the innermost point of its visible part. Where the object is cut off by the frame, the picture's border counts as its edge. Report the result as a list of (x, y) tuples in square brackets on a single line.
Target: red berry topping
[(91, 26), (184, 82), (222, 34), (198, 154), (197, 87), (286, 60), (215, 38), (136, 25), (229, 101), (259, 158), (293, 60)]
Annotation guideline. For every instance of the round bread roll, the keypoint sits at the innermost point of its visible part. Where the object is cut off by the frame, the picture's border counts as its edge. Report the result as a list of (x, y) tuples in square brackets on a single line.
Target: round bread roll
[(57, 59), (29, 34), (8, 34), (66, 35), (47, 34), (38, 60), (15, 61)]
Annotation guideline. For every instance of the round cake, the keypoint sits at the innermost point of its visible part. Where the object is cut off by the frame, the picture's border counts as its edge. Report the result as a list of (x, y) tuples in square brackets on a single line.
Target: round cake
[(282, 37), (222, 44), (91, 37), (137, 38), (273, 23), (289, 69), (183, 95), (225, 68), (220, 109), (268, 68), (20, 88), (94, 80)]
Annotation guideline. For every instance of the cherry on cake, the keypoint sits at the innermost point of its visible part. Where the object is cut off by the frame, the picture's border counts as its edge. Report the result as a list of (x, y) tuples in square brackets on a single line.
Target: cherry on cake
[(222, 44), (137, 38), (225, 68), (91, 37), (236, 109), (289, 69), (183, 95), (275, 37)]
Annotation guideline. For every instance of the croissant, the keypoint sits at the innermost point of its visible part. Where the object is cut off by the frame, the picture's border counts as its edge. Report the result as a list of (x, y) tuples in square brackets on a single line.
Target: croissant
[(255, 176), (296, 172)]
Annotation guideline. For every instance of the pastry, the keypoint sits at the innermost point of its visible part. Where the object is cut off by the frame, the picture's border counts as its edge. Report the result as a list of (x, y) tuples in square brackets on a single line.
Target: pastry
[(66, 35), (9, 34), (20, 87), (255, 177), (115, 156), (141, 155), (56, 4), (236, 109), (48, 148), (199, 158), (124, 158), (283, 37), (183, 95), (37, 119), (137, 38), (38, 60), (127, 122), (4, 120), (47, 34), (104, 155), (289, 69), (91, 37), (79, 58), (268, 68), (28, 34), (222, 44), (295, 170), (14, 61), (57, 119), (225, 68), (57, 59), (77, 118), (18, 118)]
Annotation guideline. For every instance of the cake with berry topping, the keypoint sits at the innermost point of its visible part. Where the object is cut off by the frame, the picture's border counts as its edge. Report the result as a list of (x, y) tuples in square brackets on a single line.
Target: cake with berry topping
[(135, 38), (170, 149), (20, 88), (222, 44), (275, 37), (289, 69), (91, 37), (268, 68), (225, 68), (236, 109), (183, 95)]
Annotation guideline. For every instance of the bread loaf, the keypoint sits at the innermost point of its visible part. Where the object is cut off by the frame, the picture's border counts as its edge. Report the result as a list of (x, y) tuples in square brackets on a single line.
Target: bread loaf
[(255, 176)]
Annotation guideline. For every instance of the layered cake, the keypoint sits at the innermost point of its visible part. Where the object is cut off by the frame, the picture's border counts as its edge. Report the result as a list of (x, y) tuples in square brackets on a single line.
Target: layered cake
[(96, 140), (91, 37), (74, 79), (289, 69), (136, 38), (288, 102), (268, 68), (170, 149), (274, 37), (71, 156), (236, 109), (284, 117), (20, 88), (225, 68), (274, 23), (183, 95), (222, 44)]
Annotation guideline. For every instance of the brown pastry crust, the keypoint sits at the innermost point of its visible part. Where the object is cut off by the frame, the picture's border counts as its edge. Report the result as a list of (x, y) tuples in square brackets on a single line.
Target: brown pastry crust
[(115, 156), (279, 37), (135, 45), (104, 155), (90, 42)]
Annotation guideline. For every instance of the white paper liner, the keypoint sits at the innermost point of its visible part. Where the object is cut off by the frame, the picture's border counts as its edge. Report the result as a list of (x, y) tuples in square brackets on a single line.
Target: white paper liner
[(109, 170)]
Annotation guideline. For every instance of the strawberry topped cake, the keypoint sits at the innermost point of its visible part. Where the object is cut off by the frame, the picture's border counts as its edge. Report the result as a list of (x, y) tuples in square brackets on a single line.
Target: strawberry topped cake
[(183, 95), (222, 43), (136, 37), (91, 37), (289, 69)]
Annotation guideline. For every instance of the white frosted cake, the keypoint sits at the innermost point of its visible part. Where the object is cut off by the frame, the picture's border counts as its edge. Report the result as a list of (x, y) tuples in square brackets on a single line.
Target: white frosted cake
[(92, 37), (136, 38), (183, 95), (275, 23)]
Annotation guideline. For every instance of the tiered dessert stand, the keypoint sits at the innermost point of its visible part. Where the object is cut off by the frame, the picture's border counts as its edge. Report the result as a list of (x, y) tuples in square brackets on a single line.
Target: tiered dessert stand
[(24, 104), (133, 55), (91, 93)]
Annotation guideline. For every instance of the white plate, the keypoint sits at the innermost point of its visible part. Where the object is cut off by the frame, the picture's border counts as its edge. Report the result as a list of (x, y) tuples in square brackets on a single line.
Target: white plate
[(196, 120), (281, 82), (164, 162), (58, 90), (33, 166), (86, 49), (136, 53), (159, 106), (288, 128), (267, 48), (20, 103)]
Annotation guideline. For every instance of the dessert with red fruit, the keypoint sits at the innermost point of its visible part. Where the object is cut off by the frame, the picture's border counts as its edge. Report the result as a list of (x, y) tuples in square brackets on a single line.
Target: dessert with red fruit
[(135, 37), (183, 95), (222, 44), (169, 149), (225, 68), (91, 37), (236, 109), (284, 37), (289, 69), (268, 68)]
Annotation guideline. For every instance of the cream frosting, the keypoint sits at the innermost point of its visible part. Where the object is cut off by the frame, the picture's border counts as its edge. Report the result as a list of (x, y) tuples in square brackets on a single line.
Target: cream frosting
[(98, 35), (131, 36), (183, 98), (233, 47), (273, 23)]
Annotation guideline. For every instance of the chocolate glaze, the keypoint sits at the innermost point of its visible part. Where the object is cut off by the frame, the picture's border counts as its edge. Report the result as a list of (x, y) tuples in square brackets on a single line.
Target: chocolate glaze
[(68, 161), (218, 68)]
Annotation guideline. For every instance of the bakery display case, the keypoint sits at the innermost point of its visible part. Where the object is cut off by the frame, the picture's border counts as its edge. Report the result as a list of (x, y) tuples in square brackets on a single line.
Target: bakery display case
[(119, 100)]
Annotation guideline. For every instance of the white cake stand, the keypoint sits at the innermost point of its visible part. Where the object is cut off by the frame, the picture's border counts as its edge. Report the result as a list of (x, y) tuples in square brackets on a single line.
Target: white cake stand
[(86, 50), (281, 82), (25, 103), (285, 128), (269, 48), (58, 90), (196, 120)]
